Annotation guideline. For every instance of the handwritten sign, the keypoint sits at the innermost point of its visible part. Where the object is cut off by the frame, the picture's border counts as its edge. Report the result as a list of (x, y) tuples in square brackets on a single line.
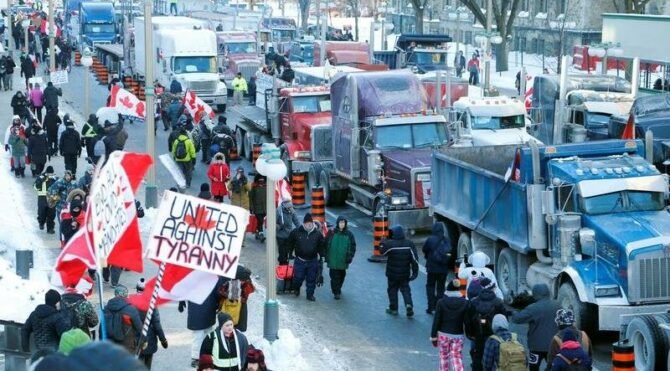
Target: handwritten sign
[(198, 234), (59, 77)]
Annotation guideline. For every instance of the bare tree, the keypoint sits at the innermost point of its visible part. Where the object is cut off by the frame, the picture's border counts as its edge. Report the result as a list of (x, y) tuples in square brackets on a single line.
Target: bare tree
[(356, 11), (419, 6), (304, 13), (504, 14), (631, 6), (562, 34)]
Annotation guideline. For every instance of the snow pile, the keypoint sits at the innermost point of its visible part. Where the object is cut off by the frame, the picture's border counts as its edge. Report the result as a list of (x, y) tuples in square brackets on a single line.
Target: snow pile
[(284, 353), (23, 295)]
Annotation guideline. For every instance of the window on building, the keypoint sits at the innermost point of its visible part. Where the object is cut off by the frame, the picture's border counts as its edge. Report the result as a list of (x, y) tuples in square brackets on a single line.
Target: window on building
[(562, 6)]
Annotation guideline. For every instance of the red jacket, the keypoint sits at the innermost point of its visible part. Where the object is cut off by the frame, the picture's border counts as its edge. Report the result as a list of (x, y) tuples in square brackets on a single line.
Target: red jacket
[(218, 175)]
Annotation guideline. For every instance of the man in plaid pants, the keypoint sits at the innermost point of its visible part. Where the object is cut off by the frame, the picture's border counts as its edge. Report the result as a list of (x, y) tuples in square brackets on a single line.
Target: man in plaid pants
[(452, 314)]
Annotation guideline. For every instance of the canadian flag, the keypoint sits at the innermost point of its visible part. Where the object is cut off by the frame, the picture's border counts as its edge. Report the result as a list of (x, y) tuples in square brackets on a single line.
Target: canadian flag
[(44, 28), (282, 191), (528, 97), (196, 107), (75, 258), (179, 283), (126, 103)]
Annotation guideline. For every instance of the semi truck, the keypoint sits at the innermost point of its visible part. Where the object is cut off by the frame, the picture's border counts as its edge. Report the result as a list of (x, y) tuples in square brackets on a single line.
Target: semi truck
[(184, 52), (237, 53), (346, 53), (587, 219), (382, 141), (94, 24)]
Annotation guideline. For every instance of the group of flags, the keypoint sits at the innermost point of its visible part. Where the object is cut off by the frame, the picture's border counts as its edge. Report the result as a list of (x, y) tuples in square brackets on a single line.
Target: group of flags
[(129, 105)]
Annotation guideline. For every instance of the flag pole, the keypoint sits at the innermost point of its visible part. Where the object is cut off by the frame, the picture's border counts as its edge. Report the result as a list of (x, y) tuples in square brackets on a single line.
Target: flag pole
[(152, 306), (103, 329)]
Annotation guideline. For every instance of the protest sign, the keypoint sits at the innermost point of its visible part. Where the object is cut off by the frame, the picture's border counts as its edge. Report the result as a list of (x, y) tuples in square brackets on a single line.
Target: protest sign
[(59, 77), (198, 234)]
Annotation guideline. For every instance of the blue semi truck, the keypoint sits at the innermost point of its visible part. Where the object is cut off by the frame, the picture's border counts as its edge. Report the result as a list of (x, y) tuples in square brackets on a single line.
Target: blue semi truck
[(95, 24), (587, 219)]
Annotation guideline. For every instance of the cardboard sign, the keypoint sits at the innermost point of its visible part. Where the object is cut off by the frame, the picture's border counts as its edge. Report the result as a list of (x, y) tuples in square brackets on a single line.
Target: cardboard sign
[(59, 77), (198, 234)]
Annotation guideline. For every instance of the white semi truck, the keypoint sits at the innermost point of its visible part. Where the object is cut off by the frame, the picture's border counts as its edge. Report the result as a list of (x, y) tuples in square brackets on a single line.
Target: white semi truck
[(183, 51)]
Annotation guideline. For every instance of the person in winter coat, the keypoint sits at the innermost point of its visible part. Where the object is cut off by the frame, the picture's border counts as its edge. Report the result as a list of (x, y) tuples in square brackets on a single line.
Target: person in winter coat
[(227, 345), (288, 74), (45, 323), (205, 194), (541, 326), (132, 324), (205, 141), (201, 318), (27, 69), (565, 319), (251, 86), (452, 321), (287, 221), (70, 147), (45, 214), (58, 192), (473, 69), (256, 360), (96, 355), (51, 123), (340, 251), (238, 289), (402, 266), (115, 137), (175, 87), (38, 150), (18, 144), (72, 339), (492, 345), (183, 152), (154, 335), (37, 101), (437, 266), (258, 203), (83, 315), (173, 111), (19, 105), (239, 187), (218, 174), (70, 224), (51, 94), (571, 354), (9, 71), (90, 135), (239, 88), (308, 243), (483, 307)]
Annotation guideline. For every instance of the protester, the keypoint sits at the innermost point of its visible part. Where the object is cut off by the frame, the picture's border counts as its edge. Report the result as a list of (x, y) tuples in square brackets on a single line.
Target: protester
[(175, 87), (45, 323), (205, 194), (565, 319), (70, 147), (571, 355), (252, 90), (437, 252), (502, 350), (9, 65), (401, 267), (38, 150), (37, 101), (453, 319), (239, 88), (18, 144), (94, 356), (205, 363), (58, 192), (308, 243), (45, 215), (218, 174), (183, 152), (473, 69), (122, 320), (27, 69), (483, 308), (541, 325), (51, 123), (340, 251), (154, 334), (287, 221), (239, 187), (19, 105), (89, 135), (205, 140), (72, 339), (234, 295), (50, 96), (173, 111), (459, 64), (227, 345), (258, 203), (78, 310)]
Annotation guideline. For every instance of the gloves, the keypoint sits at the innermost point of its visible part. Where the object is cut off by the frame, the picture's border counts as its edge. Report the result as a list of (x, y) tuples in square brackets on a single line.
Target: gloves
[(164, 343), (434, 341), (319, 280), (6, 147), (182, 305)]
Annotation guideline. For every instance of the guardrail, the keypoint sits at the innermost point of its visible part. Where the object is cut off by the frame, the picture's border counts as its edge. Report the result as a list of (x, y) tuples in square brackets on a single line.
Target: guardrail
[(10, 345)]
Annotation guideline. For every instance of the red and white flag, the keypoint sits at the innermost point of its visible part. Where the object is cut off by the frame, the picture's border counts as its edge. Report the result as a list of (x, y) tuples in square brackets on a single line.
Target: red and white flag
[(75, 258), (196, 106), (44, 28), (126, 103), (629, 129), (179, 283), (114, 222), (282, 191)]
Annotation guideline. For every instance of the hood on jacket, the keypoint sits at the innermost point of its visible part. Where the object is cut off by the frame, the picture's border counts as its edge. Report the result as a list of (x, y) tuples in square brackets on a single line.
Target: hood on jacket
[(44, 310), (540, 291), (499, 322), (337, 223), (117, 303), (397, 233), (438, 229)]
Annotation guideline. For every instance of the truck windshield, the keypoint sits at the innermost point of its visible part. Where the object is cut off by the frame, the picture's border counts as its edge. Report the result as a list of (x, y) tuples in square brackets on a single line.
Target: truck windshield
[(194, 64), (283, 35), (241, 48), (495, 123), (597, 119), (624, 201), (313, 104), (99, 28), (410, 135), (426, 58)]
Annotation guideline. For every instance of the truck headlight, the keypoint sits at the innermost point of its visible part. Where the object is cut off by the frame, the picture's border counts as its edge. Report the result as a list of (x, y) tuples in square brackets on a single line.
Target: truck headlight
[(305, 155), (607, 291), (399, 200)]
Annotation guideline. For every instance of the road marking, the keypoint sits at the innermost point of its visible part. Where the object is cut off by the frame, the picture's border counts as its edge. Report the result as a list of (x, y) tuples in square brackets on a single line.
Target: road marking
[(334, 217)]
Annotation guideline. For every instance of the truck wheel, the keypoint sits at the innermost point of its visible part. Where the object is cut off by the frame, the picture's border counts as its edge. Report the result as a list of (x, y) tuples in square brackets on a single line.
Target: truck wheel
[(313, 176), (464, 245), (648, 342), (507, 274), (221, 108), (584, 313)]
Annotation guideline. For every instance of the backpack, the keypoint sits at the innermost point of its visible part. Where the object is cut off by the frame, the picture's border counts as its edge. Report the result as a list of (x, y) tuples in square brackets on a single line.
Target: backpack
[(180, 152), (116, 329), (442, 253), (511, 355), (482, 322), (71, 313), (572, 364)]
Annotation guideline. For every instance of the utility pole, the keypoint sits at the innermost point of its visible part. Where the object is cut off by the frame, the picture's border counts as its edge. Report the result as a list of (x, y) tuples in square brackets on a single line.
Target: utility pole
[(151, 190), (488, 54), (52, 37), (10, 22)]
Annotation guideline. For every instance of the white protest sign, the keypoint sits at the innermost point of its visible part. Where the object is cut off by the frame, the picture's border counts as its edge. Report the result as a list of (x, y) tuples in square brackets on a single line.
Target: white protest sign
[(59, 77), (198, 234), (112, 205), (173, 168)]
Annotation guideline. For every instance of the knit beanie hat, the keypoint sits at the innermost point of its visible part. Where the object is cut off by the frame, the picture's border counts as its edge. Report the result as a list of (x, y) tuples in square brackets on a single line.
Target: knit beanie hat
[(454, 285), (121, 291), (307, 218), (499, 322), (564, 317), (204, 187), (52, 297), (49, 170), (72, 339), (223, 317)]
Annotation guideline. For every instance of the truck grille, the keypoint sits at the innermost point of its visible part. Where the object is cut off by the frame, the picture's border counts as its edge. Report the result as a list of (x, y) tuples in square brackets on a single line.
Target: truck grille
[(203, 87), (248, 69), (649, 278), (322, 143)]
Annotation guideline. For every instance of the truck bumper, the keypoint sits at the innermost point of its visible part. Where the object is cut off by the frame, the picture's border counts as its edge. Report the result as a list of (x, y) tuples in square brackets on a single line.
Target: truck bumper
[(611, 318), (214, 99), (410, 218)]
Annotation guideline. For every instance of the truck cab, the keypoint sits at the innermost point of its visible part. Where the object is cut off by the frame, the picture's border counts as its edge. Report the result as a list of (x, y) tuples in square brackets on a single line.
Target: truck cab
[(96, 23), (422, 52), (489, 121), (589, 112), (276, 31), (346, 53), (237, 53)]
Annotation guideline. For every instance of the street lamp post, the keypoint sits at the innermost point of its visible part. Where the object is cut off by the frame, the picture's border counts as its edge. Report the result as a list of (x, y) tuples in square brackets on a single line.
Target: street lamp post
[(603, 51), (486, 40), (52, 37), (271, 165), (151, 190), (87, 62)]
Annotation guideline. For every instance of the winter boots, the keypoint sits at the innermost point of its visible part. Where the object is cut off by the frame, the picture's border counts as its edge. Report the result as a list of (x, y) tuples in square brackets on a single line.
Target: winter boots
[(410, 311), (20, 172)]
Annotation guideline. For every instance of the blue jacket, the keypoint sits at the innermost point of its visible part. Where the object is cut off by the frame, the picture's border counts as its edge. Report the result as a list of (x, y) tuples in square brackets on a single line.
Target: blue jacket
[(433, 242), (572, 350), (402, 263)]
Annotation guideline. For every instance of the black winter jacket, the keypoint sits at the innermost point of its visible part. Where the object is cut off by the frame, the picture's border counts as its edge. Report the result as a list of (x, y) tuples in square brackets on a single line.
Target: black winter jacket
[(51, 122), (27, 68), (38, 148), (120, 304), (452, 316), (487, 305), (47, 325), (51, 94), (154, 334), (433, 242), (19, 104), (70, 142), (307, 245), (540, 318), (203, 316), (402, 263)]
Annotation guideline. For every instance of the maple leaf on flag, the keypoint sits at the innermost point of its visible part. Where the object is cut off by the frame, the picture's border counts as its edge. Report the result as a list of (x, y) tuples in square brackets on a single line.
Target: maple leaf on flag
[(140, 109), (126, 102), (201, 219)]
